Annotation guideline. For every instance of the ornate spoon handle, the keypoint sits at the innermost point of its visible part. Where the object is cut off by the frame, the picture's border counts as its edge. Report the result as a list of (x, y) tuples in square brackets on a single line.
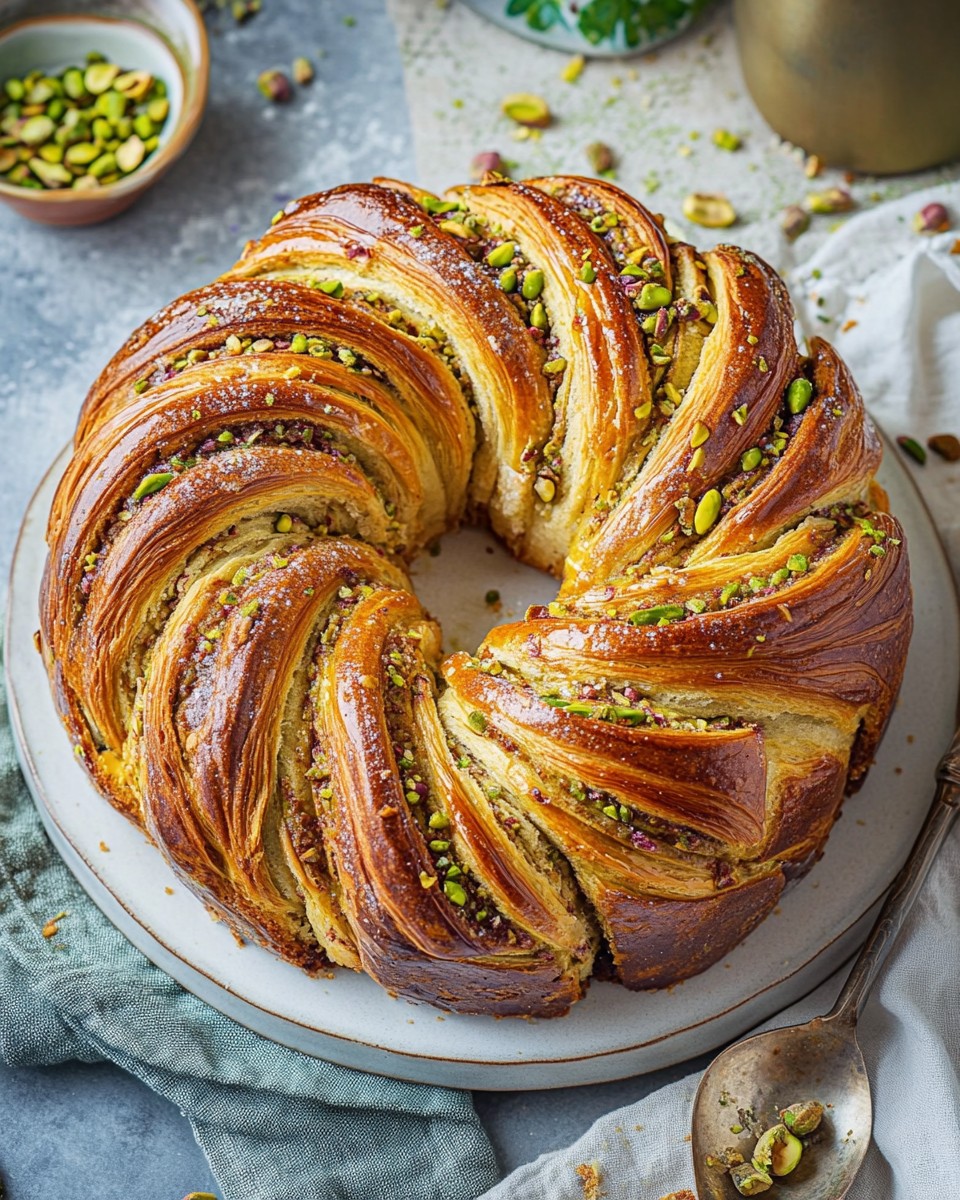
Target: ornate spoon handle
[(903, 892)]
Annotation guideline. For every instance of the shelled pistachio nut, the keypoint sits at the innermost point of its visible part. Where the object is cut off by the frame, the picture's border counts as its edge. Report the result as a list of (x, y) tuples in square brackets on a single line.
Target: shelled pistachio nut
[(83, 128)]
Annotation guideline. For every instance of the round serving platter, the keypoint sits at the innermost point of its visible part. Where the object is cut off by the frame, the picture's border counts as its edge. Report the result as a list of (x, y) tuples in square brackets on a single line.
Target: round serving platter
[(612, 1033)]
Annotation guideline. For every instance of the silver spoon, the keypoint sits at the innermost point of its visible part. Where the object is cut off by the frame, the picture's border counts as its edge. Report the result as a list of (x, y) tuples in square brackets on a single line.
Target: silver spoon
[(820, 1060)]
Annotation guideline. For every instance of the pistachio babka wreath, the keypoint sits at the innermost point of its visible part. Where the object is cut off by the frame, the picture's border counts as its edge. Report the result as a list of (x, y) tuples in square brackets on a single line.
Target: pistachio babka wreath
[(634, 771)]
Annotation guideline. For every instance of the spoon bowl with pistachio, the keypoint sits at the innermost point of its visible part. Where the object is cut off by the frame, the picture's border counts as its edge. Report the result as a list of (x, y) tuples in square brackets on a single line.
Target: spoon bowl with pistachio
[(794, 1104)]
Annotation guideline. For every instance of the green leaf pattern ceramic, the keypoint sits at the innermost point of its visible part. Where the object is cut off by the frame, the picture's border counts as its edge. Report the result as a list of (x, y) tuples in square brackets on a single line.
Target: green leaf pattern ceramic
[(613, 25)]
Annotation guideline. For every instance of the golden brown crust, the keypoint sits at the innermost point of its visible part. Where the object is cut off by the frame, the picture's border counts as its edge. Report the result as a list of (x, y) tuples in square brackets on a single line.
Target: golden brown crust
[(637, 768)]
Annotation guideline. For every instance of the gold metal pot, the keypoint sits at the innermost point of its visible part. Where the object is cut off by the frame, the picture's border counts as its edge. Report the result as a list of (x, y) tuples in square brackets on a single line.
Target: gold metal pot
[(870, 85)]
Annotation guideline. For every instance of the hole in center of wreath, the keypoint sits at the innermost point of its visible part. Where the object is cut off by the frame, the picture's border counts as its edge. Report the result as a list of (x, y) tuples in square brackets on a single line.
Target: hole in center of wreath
[(469, 583)]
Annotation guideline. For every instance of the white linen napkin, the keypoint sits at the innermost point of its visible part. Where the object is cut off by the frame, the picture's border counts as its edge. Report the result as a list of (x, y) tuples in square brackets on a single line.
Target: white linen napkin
[(890, 299)]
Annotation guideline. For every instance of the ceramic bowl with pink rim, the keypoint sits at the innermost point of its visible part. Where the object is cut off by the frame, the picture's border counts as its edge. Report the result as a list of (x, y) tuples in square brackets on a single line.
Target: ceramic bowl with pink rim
[(165, 39)]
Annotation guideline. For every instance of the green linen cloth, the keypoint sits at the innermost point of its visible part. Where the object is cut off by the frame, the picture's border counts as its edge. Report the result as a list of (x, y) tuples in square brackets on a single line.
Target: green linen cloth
[(275, 1124)]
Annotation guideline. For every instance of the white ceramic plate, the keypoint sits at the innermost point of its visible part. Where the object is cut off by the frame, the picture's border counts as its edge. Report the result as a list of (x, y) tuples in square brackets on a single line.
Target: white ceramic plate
[(612, 1033)]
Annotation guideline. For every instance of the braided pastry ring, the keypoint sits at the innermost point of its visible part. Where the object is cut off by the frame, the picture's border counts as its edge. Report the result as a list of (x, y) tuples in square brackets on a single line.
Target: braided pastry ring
[(623, 782)]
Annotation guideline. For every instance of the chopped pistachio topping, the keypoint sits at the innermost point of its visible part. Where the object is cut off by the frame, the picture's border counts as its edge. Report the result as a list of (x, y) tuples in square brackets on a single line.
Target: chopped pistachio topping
[(453, 891), (659, 613), (653, 295), (545, 488), (532, 285), (707, 511), (502, 255), (152, 483)]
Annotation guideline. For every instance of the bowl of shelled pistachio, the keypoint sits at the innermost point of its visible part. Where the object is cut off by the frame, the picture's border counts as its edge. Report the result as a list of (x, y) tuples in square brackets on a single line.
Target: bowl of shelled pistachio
[(96, 105)]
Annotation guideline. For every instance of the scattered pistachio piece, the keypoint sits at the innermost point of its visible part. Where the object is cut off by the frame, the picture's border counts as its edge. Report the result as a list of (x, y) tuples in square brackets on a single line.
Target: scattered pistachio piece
[(832, 200), (932, 218), (712, 210), (600, 157), (794, 220), (912, 447), (487, 162), (726, 140), (302, 71), (275, 86), (946, 445), (573, 69), (527, 109)]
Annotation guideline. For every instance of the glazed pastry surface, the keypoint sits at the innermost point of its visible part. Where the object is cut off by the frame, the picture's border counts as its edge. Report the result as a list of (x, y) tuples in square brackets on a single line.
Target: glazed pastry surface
[(620, 784)]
